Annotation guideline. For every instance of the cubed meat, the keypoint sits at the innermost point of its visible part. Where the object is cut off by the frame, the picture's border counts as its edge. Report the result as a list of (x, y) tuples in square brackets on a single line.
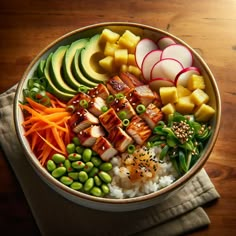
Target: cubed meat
[(99, 91), (120, 139), (138, 130), (95, 105), (89, 135), (131, 80), (116, 85), (75, 101), (104, 148)]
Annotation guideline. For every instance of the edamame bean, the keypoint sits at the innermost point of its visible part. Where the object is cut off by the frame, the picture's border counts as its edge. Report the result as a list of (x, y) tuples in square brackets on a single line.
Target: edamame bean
[(97, 180), (93, 172), (76, 185), (97, 161), (74, 175), (87, 154), (106, 166), (78, 165), (51, 165), (105, 188), (96, 191), (83, 176), (76, 141), (105, 177), (67, 164), (59, 171), (88, 184), (58, 158), (66, 180), (70, 148), (74, 156), (88, 166), (79, 149)]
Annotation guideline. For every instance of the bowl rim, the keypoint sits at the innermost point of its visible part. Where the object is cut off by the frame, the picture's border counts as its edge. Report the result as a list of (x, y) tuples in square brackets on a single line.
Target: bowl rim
[(176, 184)]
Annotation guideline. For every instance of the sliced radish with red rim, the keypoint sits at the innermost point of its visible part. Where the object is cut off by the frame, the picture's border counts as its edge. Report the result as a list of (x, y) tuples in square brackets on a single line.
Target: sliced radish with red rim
[(166, 68), (142, 49), (157, 83), (148, 62), (180, 53), (165, 42)]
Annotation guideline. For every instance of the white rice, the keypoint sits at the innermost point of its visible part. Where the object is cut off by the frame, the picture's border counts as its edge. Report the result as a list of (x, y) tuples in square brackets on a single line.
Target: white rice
[(122, 187)]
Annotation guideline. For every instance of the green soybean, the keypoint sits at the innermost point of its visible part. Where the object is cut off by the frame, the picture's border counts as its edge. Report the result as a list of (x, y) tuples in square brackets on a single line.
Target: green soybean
[(97, 180), (58, 158), (66, 180), (79, 149), (59, 171), (76, 141), (68, 166), (88, 184), (105, 177), (74, 175), (70, 148), (74, 156), (87, 154), (78, 165), (88, 166), (51, 165), (105, 188), (93, 172), (106, 166), (96, 191), (83, 176), (97, 161), (76, 185)]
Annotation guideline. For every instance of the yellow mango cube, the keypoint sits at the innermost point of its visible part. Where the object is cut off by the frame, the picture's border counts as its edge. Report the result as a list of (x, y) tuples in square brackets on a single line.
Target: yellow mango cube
[(124, 68), (168, 95), (129, 40), (168, 109), (195, 82), (134, 70), (121, 57), (110, 48), (182, 91), (107, 63), (204, 113), (109, 35), (184, 105), (131, 60), (199, 97)]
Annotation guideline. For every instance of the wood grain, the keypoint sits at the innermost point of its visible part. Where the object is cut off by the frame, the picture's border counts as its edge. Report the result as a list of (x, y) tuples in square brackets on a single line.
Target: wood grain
[(26, 27)]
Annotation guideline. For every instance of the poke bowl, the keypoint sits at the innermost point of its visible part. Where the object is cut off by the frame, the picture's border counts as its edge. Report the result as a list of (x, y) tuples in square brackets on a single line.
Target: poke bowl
[(117, 116)]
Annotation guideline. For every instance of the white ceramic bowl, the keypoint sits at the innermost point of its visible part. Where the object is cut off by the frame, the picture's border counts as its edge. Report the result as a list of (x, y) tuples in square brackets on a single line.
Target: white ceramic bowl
[(105, 203)]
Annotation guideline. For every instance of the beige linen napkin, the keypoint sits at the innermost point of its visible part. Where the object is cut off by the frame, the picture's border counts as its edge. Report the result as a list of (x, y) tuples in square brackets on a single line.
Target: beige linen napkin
[(55, 215)]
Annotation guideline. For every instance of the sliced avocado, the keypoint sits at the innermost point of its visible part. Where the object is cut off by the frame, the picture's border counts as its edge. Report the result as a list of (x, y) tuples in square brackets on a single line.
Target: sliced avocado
[(68, 58), (77, 72), (56, 70), (89, 58), (51, 87)]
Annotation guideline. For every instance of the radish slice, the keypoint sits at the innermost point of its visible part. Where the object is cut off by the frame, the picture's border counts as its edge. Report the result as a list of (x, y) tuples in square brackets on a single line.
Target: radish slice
[(164, 42), (180, 53), (166, 68), (142, 49), (183, 76), (148, 62), (157, 83)]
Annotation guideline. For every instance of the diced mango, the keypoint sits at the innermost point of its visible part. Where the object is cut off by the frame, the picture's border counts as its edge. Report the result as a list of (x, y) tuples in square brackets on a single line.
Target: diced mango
[(129, 40), (168, 109), (182, 91), (121, 57), (168, 95), (195, 82), (124, 68), (184, 105), (109, 35), (134, 70), (204, 113), (108, 63), (110, 48), (131, 60), (199, 97)]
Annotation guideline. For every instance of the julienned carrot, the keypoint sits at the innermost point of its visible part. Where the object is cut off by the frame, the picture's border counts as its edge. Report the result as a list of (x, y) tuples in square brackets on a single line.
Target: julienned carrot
[(56, 100)]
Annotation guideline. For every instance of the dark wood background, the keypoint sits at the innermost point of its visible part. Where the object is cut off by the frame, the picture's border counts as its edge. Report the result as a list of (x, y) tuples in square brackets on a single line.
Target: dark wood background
[(27, 26)]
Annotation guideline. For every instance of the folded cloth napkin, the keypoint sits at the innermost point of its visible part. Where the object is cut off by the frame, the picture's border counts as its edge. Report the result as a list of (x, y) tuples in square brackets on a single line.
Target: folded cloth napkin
[(56, 215)]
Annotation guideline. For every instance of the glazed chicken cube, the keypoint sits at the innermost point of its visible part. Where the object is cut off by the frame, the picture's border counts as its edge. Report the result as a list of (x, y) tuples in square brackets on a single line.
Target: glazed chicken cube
[(123, 106), (138, 130), (152, 115), (116, 85), (82, 119), (131, 80), (95, 106), (120, 139), (75, 101), (99, 91), (104, 148), (89, 135), (109, 119)]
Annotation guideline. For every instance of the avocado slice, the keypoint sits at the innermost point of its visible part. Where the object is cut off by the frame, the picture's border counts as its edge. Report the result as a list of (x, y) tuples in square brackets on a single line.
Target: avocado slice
[(51, 87), (67, 62), (89, 58), (77, 72), (56, 70)]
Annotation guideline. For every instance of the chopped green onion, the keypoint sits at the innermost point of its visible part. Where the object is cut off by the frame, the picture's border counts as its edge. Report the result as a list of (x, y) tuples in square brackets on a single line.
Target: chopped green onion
[(110, 98), (126, 122), (70, 108), (140, 108), (104, 108), (83, 89), (122, 115), (131, 149), (45, 100), (83, 103), (119, 95)]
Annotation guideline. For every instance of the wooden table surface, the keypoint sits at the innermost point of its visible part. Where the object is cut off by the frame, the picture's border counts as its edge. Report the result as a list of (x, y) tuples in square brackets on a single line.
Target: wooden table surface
[(27, 26)]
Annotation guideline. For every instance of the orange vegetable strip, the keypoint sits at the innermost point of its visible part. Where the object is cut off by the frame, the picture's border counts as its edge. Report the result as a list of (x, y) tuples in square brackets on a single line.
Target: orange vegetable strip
[(58, 139), (50, 110), (35, 105), (52, 97), (67, 134)]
